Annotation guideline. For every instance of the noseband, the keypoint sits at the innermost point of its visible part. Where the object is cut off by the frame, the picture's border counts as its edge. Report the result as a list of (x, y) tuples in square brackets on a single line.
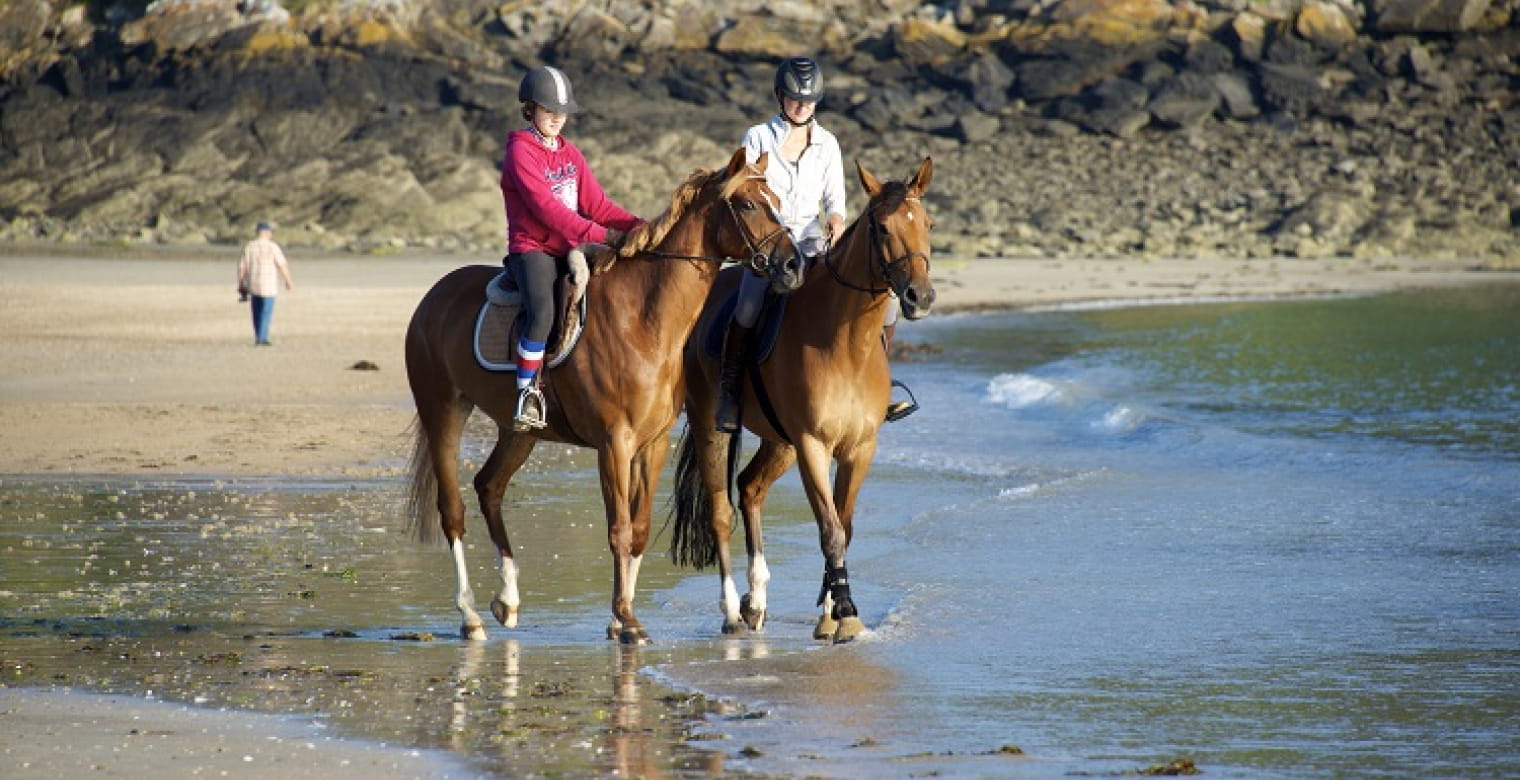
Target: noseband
[(883, 265), (760, 261)]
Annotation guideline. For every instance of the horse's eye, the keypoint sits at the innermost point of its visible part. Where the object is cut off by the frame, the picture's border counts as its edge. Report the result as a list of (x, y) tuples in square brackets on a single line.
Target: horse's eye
[(747, 205)]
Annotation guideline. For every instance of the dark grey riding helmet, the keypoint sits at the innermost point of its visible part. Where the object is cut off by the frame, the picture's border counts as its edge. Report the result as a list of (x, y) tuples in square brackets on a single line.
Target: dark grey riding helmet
[(800, 79), (550, 88)]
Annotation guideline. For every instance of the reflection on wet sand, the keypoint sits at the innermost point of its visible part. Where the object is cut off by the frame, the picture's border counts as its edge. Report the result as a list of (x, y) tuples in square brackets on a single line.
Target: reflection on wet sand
[(294, 600), (495, 702)]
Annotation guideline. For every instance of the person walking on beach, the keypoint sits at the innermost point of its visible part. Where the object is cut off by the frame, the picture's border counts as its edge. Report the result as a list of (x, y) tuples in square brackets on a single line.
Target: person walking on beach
[(553, 204), (261, 269)]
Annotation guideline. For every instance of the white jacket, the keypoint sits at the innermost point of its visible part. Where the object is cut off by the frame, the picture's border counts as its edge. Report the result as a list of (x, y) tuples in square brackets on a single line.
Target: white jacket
[(812, 186)]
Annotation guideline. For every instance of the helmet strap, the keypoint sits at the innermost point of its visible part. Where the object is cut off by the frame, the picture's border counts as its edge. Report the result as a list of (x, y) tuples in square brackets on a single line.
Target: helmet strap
[(781, 109)]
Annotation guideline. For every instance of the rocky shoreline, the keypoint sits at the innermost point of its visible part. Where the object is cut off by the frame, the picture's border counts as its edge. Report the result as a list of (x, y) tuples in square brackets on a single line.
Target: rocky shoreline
[(1059, 128)]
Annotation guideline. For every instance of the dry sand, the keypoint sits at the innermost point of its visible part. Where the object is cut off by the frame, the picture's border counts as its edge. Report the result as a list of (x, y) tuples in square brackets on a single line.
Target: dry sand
[(144, 365), (57, 734)]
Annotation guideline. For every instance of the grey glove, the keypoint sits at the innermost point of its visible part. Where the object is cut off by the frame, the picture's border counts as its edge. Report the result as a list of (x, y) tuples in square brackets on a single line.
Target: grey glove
[(614, 237)]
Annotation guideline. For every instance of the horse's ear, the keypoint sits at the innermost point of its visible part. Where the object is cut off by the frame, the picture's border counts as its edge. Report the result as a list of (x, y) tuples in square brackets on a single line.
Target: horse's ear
[(737, 162), (871, 183), (921, 179)]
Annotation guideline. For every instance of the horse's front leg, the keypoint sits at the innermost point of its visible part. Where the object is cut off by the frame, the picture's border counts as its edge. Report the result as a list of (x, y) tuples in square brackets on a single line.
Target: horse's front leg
[(614, 462), (644, 478), (771, 460), (839, 621), (849, 475), (509, 454)]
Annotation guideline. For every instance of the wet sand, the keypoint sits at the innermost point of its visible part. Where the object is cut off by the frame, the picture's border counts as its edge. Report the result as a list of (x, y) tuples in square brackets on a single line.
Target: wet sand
[(143, 367)]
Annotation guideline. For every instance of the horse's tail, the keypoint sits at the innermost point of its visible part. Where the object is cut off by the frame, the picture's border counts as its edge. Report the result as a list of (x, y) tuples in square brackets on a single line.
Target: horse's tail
[(422, 495), (693, 543)]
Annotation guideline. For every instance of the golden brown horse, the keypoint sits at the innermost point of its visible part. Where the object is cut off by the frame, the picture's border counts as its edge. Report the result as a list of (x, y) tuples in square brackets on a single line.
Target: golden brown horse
[(823, 396), (619, 392)]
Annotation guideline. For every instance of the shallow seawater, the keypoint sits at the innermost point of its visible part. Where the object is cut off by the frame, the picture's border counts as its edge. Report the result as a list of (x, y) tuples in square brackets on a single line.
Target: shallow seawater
[(1275, 538)]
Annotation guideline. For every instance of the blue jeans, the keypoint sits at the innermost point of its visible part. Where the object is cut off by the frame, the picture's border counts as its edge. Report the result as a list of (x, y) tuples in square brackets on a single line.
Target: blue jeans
[(263, 312)]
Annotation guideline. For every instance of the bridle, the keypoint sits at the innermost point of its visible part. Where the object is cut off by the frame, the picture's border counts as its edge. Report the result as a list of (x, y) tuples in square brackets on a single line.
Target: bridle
[(760, 261), (876, 236)]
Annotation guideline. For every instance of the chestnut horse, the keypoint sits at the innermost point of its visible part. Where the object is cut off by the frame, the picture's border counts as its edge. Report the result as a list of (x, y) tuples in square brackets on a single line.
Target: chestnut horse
[(619, 392), (819, 399)]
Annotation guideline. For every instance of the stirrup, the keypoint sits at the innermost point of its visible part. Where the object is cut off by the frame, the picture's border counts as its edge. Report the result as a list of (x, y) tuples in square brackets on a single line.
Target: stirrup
[(897, 410), (530, 410)]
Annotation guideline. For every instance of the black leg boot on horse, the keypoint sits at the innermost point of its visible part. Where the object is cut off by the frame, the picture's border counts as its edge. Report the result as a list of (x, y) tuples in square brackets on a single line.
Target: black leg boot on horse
[(896, 410), (735, 353)]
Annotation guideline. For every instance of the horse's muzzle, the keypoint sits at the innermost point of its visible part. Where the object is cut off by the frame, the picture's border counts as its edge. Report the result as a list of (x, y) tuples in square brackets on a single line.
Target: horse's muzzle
[(916, 301), (786, 272)]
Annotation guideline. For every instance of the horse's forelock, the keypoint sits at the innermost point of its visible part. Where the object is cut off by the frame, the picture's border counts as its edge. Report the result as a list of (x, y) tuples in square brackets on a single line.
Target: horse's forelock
[(733, 183), (651, 233), (893, 194)]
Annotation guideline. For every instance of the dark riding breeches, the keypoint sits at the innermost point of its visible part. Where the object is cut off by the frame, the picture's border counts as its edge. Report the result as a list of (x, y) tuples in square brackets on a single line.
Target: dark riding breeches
[(534, 273)]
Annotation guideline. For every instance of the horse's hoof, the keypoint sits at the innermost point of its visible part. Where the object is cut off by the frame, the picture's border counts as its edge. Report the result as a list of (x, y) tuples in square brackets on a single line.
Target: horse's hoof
[(754, 617), (475, 633), (505, 615), (825, 628), (735, 628), (633, 636), (848, 629)]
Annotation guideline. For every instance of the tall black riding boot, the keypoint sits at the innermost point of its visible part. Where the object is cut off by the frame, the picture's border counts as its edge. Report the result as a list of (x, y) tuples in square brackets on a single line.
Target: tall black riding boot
[(735, 352)]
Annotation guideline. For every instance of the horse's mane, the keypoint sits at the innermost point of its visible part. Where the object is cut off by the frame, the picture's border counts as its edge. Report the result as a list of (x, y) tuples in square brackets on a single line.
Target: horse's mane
[(649, 235)]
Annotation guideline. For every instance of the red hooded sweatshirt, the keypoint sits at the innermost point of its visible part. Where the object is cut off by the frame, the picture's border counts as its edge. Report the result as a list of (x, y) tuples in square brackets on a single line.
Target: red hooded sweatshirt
[(553, 201)]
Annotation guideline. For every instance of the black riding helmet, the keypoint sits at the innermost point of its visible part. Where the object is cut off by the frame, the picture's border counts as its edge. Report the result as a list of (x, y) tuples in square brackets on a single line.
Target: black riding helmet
[(800, 79), (550, 88)]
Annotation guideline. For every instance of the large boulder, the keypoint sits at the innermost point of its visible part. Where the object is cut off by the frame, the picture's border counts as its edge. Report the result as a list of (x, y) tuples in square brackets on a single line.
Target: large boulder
[(1427, 16), (1326, 25)]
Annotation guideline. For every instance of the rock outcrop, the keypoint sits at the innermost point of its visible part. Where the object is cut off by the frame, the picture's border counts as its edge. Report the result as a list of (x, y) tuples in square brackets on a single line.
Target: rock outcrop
[(1315, 128)]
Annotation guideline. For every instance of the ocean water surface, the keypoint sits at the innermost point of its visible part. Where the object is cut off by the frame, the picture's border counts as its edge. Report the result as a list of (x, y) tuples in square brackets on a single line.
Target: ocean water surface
[(1272, 538), (1277, 538)]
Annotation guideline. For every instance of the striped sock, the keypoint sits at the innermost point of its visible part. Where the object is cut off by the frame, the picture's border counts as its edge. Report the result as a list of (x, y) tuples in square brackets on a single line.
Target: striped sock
[(530, 356)]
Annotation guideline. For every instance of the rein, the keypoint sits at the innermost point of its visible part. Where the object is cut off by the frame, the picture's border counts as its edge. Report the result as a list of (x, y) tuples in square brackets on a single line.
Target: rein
[(884, 266)]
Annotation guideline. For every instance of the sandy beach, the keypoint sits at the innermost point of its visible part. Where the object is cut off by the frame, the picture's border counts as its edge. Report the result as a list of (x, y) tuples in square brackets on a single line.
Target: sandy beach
[(144, 365)]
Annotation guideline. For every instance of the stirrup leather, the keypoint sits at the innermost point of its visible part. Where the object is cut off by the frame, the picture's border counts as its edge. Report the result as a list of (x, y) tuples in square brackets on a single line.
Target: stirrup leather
[(530, 410)]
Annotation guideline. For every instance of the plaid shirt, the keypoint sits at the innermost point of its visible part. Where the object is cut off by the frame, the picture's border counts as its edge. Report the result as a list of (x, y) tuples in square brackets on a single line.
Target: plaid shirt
[(260, 266)]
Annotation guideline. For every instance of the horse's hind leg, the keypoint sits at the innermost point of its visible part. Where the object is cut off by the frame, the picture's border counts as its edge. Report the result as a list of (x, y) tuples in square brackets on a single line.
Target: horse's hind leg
[(443, 421), (770, 461), (509, 454), (709, 451)]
